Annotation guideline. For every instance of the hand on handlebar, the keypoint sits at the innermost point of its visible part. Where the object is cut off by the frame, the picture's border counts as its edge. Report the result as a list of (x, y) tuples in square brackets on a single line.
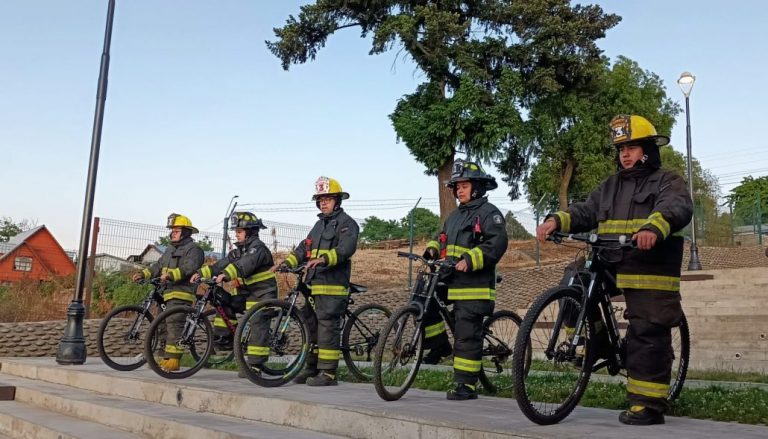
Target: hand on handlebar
[(645, 239), (545, 229), (462, 266), (317, 262)]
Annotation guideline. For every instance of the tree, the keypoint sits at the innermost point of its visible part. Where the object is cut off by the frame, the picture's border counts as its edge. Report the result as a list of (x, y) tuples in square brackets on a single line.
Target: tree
[(206, 244), (484, 62), (10, 228), (515, 230), (425, 224), (571, 129), (375, 229), (744, 198)]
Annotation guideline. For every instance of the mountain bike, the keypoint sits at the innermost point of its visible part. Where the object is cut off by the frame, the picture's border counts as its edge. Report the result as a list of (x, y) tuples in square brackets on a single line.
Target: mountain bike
[(120, 339), (398, 355), (196, 339), (560, 330), (288, 334)]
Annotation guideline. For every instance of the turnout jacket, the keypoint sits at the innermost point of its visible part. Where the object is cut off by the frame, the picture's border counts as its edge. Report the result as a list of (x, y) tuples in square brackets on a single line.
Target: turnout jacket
[(333, 238), (248, 264), (180, 261), (475, 232), (629, 201)]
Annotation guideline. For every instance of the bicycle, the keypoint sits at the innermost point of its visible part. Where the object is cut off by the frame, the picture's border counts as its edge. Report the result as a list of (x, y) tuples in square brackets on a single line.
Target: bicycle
[(288, 334), (559, 328), (126, 325), (196, 339), (398, 355)]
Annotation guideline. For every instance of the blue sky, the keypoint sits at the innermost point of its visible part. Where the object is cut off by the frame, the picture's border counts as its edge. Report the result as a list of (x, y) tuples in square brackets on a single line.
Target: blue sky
[(199, 110)]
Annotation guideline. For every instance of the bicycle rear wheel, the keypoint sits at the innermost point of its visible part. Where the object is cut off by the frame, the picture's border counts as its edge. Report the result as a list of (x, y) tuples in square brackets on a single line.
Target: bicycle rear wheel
[(499, 336), (120, 339), (550, 388), (219, 354), (271, 343), (398, 354), (194, 343), (359, 338)]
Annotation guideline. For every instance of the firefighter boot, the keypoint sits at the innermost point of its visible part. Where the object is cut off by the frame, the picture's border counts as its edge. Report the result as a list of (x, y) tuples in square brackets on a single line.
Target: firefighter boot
[(639, 415), (435, 355), (462, 392), (327, 378), (305, 374)]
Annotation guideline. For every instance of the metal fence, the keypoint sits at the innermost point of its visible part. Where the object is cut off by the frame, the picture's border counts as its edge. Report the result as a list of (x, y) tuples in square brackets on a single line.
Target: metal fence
[(129, 240)]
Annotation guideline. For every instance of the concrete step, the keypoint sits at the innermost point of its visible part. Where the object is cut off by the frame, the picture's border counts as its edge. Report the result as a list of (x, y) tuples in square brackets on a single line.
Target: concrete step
[(144, 418), (734, 310), (354, 410), (721, 303), (729, 365), (20, 420)]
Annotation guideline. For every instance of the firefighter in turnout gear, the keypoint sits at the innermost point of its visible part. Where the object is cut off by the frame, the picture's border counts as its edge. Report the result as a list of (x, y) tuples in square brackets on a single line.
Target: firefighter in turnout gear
[(475, 237), (651, 205), (326, 252), (181, 259), (248, 267)]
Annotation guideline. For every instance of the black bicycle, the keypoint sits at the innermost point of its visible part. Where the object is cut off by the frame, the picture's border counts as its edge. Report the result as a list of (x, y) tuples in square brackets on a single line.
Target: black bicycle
[(398, 355), (559, 329), (120, 339), (288, 335), (195, 342)]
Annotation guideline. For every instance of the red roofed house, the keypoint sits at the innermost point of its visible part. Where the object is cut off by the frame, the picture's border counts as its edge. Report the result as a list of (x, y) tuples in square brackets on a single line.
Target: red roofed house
[(34, 254)]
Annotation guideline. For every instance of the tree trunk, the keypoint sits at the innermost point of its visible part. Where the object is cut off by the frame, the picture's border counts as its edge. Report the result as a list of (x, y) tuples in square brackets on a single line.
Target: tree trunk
[(447, 200), (562, 195)]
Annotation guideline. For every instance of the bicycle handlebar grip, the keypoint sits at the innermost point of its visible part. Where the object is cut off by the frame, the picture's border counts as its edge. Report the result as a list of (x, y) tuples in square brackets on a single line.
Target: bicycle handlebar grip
[(403, 254)]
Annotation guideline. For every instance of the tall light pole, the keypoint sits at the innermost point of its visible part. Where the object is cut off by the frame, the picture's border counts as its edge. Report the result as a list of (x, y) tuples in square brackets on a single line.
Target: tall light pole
[(685, 82), (230, 210), (72, 347)]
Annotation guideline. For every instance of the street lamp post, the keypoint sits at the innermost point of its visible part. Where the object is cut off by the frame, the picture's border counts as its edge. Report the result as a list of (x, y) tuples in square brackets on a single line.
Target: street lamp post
[(72, 347), (230, 210), (685, 82)]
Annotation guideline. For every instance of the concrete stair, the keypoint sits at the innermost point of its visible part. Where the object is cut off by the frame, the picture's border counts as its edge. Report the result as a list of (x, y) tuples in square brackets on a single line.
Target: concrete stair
[(93, 401)]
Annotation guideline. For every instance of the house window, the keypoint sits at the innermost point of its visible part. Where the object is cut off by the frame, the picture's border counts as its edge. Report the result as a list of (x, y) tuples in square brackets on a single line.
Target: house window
[(22, 264)]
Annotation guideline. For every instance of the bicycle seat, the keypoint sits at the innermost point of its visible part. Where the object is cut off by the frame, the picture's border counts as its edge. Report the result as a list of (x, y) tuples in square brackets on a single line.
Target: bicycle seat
[(355, 288)]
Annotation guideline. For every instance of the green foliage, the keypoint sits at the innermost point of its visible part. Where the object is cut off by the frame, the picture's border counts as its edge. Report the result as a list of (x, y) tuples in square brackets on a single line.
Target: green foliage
[(515, 230), (485, 62), (119, 289), (425, 225), (206, 244), (163, 240), (10, 228), (744, 198), (573, 153)]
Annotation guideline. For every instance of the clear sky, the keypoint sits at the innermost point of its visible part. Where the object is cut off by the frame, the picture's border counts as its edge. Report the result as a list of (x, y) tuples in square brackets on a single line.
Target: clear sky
[(199, 110)]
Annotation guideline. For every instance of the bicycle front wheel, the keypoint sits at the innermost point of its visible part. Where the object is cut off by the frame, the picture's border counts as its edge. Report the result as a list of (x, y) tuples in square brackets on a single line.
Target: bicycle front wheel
[(398, 354), (499, 336), (550, 373), (120, 339), (271, 343), (187, 338), (359, 338)]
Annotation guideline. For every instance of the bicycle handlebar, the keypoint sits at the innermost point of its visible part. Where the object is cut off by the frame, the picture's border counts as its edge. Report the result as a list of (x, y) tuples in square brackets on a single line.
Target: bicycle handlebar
[(593, 239), (286, 269), (430, 262)]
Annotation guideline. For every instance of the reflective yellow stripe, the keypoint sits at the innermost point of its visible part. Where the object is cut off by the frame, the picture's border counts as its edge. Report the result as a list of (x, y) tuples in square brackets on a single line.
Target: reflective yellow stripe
[(173, 349), (219, 322), (466, 365), (565, 221), (329, 290), (433, 244), (205, 272), (258, 350), (476, 255), (147, 274), (183, 295), (231, 271), (291, 260), (259, 277), (471, 294), (657, 220), (647, 388), (175, 274), (433, 330), (648, 282), (250, 304), (456, 250), (621, 227), (328, 354), (333, 258)]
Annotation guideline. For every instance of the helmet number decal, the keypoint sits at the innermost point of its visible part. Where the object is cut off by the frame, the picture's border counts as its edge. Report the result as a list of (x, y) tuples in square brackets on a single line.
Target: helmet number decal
[(322, 185)]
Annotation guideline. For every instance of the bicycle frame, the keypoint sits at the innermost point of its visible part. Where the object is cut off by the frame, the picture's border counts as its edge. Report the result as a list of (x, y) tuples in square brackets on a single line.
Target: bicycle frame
[(153, 296), (208, 297)]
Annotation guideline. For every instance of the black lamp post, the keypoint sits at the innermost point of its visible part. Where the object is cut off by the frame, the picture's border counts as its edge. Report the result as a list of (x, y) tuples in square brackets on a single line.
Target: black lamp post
[(685, 82), (72, 347)]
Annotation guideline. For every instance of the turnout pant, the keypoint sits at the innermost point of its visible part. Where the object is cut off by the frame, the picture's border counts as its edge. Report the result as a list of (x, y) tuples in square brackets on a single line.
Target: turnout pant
[(257, 351), (174, 327), (324, 316), (651, 314)]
